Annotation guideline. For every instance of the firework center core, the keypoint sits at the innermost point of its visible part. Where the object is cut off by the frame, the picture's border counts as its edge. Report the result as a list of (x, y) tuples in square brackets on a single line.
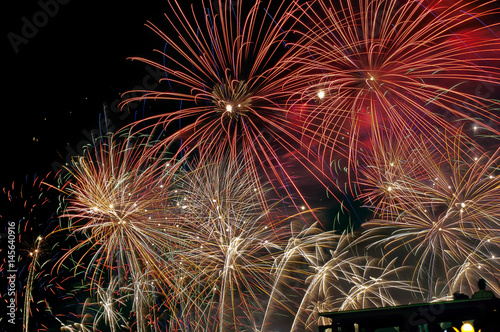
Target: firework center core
[(231, 99)]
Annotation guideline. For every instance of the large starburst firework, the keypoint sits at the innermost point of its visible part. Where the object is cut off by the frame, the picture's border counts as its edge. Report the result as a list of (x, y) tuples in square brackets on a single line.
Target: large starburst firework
[(364, 67), (224, 63), (444, 214)]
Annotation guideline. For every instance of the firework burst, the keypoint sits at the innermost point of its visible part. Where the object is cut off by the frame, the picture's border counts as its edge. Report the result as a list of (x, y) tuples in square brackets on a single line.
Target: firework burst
[(225, 271), (411, 66), (224, 63), (118, 200), (442, 217)]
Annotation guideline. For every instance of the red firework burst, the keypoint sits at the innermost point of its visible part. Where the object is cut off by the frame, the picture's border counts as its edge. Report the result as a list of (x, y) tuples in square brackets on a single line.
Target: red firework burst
[(414, 66), (224, 64)]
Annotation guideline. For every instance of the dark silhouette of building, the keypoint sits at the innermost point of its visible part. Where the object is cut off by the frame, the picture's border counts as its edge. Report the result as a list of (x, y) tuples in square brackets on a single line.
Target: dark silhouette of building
[(415, 317)]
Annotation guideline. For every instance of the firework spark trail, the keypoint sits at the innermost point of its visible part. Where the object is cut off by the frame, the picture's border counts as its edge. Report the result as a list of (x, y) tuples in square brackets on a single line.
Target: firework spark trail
[(144, 293), (287, 272), (481, 263), (30, 206), (312, 261), (28, 296), (108, 302), (119, 303), (331, 264), (378, 65), (227, 70), (371, 285)]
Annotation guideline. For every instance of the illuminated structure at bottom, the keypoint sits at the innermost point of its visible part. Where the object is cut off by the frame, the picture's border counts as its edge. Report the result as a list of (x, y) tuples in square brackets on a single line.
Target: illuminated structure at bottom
[(438, 316)]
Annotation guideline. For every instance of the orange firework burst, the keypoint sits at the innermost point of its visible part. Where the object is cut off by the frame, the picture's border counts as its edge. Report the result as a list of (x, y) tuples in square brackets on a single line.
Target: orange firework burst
[(226, 69), (117, 198), (411, 66)]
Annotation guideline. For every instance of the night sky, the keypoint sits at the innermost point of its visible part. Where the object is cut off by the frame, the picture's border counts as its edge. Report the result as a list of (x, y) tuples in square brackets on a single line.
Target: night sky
[(59, 76)]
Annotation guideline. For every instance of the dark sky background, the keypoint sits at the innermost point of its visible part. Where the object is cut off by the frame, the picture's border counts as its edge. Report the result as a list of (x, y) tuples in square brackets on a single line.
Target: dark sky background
[(63, 71)]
